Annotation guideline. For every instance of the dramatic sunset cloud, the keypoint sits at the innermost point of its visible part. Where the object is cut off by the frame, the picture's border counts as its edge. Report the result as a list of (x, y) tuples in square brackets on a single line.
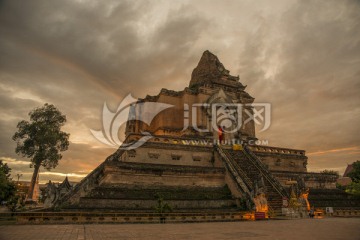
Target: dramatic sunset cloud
[(303, 57)]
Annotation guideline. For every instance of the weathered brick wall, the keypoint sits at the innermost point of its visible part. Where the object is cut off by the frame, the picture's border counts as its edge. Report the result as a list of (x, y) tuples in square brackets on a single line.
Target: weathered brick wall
[(151, 204), (282, 159), (173, 156), (164, 175), (312, 180)]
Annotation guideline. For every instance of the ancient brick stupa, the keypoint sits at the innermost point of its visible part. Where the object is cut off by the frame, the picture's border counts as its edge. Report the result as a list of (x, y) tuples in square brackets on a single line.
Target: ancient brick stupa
[(175, 162)]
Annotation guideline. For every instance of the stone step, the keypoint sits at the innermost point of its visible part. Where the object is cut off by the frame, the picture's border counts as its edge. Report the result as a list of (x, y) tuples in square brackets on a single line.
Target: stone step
[(141, 204), (151, 192)]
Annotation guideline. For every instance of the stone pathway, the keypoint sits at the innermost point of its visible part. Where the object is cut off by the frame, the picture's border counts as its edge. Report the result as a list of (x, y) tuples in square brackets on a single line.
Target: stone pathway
[(304, 229)]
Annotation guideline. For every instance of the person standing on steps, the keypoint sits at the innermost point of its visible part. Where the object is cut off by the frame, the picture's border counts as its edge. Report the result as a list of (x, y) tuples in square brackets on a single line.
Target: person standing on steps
[(221, 134)]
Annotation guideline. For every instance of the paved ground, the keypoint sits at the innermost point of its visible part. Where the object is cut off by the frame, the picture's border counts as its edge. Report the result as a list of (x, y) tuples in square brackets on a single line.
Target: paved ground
[(304, 229)]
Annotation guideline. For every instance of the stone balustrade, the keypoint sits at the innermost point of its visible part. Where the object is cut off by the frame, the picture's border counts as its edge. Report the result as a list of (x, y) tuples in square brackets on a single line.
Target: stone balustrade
[(88, 217), (268, 149), (209, 143), (202, 142), (346, 213), (173, 140)]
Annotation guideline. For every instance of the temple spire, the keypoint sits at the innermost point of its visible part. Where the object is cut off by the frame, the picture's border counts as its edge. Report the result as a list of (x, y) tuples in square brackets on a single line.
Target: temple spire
[(209, 68)]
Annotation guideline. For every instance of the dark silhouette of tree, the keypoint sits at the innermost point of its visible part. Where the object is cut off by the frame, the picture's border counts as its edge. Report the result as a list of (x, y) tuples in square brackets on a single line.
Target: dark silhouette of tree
[(41, 139), (7, 186), (330, 172), (354, 174)]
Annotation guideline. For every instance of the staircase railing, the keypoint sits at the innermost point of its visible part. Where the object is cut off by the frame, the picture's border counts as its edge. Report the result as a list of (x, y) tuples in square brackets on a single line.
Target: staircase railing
[(89, 179), (240, 171), (265, 172), (237, 173)]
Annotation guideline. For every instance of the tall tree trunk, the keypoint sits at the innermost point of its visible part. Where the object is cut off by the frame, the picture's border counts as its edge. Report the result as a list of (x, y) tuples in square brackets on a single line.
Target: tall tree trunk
[(33, 182)]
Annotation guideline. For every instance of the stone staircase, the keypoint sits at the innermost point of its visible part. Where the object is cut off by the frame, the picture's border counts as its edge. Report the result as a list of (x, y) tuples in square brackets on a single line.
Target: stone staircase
[(144, 198), (250, 169)]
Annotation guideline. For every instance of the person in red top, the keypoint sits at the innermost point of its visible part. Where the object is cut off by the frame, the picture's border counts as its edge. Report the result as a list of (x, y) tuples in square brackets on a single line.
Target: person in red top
[(221, 134)]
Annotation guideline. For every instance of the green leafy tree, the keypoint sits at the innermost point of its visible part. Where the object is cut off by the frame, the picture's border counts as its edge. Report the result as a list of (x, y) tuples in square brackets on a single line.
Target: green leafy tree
[(7, 187), (353, 188), (355, 172), (162, 207), (41, 139)]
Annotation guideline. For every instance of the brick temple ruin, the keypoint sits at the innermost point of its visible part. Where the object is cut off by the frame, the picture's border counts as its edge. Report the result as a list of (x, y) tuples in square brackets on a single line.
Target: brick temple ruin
[(193, 176)]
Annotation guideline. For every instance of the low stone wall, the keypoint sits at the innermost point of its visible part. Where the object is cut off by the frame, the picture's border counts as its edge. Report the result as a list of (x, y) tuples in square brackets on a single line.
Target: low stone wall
[(346, 213), (151, 204), (278, 150), (88, 218), (167, 193), (7, 218), (322, 198), (279, 159), (312, 180)]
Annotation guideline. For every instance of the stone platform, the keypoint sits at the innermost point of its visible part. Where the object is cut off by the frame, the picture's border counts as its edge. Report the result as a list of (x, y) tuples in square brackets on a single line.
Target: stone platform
[(327, 228)]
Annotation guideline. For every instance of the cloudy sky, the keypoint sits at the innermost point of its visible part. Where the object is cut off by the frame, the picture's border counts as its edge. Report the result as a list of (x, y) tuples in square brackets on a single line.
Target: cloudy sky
[(303, 57)]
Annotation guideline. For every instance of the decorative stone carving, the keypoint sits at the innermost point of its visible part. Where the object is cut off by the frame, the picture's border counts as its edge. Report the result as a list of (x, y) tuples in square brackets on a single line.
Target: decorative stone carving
[(175, 156), (261, 204), (131, 153), (154, 155), (55, 191), (259, 186), (196, 157)]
